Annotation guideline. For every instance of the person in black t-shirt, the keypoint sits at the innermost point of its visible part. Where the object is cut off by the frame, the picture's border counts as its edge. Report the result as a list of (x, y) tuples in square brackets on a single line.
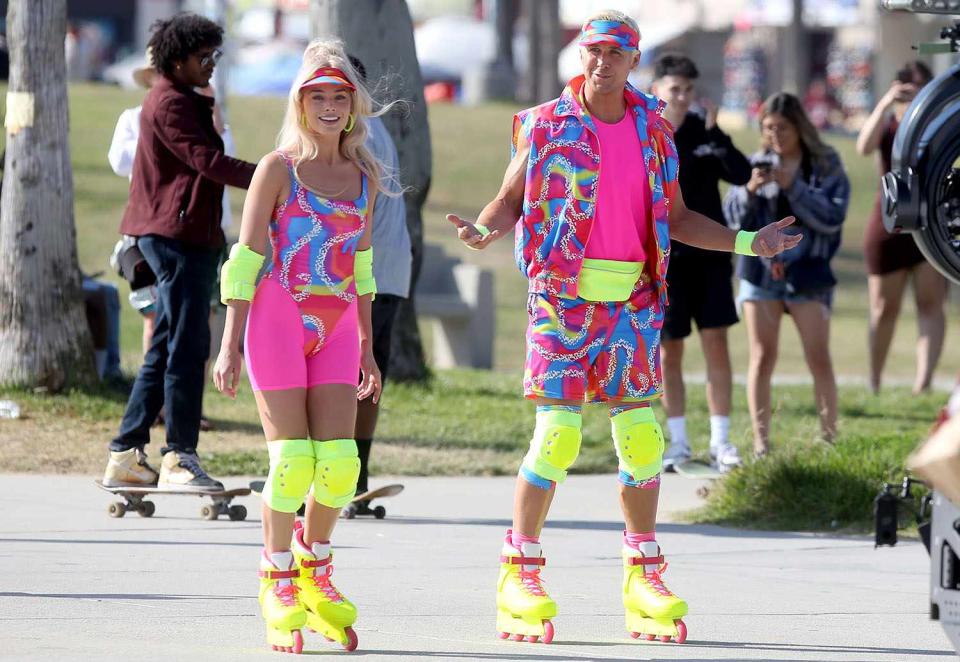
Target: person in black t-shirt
[(699, 281)]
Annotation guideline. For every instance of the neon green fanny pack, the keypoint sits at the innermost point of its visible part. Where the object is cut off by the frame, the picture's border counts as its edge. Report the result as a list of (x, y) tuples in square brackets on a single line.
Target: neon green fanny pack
[(608, 280)]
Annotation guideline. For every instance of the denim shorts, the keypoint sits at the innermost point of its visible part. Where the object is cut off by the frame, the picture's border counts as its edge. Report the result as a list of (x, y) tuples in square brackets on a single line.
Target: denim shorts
[(747, 291)]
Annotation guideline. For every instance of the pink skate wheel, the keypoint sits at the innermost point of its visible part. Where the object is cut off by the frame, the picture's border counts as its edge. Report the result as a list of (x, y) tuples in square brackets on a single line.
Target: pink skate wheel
[(649, 637), (518, 637), (352, 640), (297, 642), (275, 647), (503, 635), (665, 638), (532, 639), (681, 631), (547, 632), (634, 635)]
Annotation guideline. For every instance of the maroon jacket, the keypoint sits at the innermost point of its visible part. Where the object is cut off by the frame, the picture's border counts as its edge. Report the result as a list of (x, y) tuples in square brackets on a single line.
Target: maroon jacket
[(180, 169)]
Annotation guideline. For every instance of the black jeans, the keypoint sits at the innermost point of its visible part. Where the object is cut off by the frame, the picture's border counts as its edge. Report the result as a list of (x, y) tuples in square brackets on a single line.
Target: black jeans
[(173, 369)]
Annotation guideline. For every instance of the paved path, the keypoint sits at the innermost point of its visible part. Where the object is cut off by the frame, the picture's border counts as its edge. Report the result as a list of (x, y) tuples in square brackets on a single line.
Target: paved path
[(78, 585)]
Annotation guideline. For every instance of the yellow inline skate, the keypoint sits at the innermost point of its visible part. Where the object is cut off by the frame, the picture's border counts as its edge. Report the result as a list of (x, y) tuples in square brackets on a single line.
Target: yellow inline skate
[(524, 609), (652, 610), (280, 602), (327, 611)]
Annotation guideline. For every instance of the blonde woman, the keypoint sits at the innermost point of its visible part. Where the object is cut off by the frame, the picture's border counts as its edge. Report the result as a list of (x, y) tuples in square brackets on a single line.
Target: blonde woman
[(307, 335)]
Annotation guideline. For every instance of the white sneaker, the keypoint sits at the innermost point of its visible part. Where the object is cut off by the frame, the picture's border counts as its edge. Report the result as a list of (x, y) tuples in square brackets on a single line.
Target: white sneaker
[(726, 457), (676, 454)]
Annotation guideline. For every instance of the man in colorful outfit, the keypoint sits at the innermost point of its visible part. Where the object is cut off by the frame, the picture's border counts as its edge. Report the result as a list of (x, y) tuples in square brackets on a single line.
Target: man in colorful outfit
[(594, 242)]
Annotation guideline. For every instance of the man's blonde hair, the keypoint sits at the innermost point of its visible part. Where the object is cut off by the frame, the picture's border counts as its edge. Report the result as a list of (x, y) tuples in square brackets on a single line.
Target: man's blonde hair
[(614, 15)]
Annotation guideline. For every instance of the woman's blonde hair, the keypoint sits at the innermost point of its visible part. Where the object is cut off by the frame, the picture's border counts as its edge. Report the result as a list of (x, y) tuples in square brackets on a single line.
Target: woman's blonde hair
[(300, 143)]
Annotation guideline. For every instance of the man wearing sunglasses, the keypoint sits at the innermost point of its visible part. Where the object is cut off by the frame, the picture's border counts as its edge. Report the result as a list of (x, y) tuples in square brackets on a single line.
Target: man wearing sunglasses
[(174, 211)]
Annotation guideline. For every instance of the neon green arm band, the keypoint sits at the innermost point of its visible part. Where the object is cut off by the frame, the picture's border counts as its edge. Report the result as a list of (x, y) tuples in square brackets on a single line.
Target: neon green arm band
[(744, 243), (239, 274), (363, 272)]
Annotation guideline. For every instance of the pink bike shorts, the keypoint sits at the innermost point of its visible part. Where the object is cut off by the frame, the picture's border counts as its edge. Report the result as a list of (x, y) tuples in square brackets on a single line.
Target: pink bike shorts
[(282, 352)]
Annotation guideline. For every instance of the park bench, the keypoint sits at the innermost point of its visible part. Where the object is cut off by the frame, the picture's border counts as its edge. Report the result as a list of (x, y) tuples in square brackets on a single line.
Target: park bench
[(458, 298)]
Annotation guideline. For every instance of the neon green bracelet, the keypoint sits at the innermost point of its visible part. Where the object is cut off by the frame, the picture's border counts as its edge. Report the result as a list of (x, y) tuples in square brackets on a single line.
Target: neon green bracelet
[(239, 274), (744, 243)]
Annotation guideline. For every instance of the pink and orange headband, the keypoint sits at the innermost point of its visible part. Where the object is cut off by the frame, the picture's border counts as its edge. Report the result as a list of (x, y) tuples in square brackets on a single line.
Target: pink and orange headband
[(328, 76)]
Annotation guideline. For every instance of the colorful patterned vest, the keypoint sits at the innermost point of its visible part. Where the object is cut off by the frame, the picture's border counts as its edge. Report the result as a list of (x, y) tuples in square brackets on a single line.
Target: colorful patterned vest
[(561, 187)]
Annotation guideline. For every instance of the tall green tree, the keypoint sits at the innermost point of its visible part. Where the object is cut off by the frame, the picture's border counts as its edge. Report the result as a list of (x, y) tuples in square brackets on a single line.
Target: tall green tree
[(44, 339)]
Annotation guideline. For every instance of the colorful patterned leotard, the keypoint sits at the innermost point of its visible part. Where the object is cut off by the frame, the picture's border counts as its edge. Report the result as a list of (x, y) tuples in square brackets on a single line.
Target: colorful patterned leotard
[(306, 302)]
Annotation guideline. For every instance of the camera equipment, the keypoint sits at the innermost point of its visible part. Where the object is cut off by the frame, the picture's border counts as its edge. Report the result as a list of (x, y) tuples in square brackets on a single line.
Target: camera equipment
[(886, 513), (923, 6), (922, 191)]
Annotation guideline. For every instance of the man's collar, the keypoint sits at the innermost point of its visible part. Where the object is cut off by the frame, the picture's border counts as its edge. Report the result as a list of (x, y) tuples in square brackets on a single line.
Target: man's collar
[(569, 102)]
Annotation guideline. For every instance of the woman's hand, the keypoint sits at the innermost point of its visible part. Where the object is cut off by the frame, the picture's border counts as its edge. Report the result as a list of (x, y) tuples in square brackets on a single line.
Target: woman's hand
[(470, 235), (226, 371), (772, 240), (370, 384), (758, 178)]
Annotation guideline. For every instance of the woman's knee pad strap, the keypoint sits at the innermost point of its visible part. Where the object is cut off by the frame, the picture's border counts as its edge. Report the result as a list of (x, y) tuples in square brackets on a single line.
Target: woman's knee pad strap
[(336, 472), (555, 444), (638, 439), (291, 474)]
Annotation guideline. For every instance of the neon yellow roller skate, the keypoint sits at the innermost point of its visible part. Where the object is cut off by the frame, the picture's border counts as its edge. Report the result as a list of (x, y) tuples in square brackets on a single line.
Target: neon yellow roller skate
[(280, 602), (652, 610), (328, 612), (524, 609)]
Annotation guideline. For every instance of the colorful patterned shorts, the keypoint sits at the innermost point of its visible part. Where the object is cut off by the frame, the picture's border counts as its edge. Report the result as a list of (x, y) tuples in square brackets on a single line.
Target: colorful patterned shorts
[(593, 351)]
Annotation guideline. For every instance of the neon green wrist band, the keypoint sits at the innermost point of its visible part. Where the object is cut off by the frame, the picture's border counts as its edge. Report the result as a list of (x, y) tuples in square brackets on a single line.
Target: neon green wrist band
[(744, 243), (239, 274), (363, 272), (482, 229)]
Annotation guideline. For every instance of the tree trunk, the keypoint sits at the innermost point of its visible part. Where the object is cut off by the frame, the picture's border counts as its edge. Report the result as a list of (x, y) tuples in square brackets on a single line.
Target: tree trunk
[(543, 33), (44, 340), (380, 33)]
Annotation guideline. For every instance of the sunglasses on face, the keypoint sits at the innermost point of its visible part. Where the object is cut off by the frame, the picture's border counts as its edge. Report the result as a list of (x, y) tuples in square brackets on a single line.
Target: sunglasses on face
[(212, 58)]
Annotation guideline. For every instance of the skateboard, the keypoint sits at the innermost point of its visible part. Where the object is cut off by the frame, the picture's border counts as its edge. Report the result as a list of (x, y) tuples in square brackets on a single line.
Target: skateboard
[(358, 505), (134, 499), (697, 469)]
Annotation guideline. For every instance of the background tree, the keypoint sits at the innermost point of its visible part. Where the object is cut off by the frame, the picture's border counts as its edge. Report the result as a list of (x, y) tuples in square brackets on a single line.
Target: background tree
[(44, 340), (380, 33)]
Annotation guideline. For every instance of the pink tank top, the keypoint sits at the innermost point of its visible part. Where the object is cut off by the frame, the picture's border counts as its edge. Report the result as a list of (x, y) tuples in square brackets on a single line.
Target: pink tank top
[(623, 216)]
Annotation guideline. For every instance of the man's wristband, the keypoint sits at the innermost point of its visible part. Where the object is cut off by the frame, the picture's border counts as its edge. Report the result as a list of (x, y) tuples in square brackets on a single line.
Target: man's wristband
[(744, 243)]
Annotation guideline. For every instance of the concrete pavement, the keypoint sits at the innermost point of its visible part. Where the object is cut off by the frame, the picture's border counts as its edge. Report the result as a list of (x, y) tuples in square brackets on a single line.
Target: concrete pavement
[(76, 584)]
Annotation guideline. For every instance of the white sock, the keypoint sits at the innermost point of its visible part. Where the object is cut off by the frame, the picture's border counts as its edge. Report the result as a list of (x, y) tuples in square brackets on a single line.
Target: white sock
[(282, 561), (678, 430), (321, 550), (719, 431)]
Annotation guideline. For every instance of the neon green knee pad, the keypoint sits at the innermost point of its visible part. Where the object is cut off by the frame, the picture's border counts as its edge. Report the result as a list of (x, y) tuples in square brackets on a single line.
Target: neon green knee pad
[(639, 442), (291, 473), (555, 444), (336, 473)]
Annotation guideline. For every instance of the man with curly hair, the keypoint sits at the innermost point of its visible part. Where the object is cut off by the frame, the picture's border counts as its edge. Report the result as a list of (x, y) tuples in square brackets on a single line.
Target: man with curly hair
[(174, 210)]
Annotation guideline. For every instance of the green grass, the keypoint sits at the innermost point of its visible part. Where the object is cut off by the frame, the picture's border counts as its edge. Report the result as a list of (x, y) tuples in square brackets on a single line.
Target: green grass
[(469, 422)]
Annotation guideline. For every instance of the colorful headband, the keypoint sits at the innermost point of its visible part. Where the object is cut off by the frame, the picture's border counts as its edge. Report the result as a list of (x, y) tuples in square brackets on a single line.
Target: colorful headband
[(328, 76), (614, 33)]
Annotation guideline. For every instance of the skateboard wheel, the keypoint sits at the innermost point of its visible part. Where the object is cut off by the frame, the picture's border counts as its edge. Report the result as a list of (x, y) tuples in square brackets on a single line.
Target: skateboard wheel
[(208, 512), (147, 509), (379, 512), (237, 513), (116, 509), (350, 512)]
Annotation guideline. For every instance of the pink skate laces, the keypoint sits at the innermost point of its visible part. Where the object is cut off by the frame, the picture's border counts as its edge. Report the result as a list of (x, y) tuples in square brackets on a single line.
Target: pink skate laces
[(652, 577), (321, 579), (532, 584), (286, 594)]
